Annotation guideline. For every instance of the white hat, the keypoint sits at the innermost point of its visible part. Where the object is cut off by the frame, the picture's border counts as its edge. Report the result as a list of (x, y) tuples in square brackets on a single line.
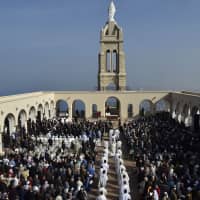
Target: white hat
[(35, 188), (59, 197), (66, 190)]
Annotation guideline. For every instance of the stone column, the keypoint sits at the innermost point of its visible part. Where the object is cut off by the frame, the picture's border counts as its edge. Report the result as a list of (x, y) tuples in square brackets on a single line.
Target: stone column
[(174, 114), (70, 110), (88, 112), (179, 118), (101, 108), (123, 111), (136, 109)]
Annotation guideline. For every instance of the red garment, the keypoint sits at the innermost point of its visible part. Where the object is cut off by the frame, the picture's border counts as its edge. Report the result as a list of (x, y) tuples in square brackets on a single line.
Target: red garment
[(158, 190)]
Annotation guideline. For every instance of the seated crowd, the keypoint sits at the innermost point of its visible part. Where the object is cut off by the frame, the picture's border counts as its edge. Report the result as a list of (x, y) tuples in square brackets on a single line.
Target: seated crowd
[(54, 160), (167, 157)]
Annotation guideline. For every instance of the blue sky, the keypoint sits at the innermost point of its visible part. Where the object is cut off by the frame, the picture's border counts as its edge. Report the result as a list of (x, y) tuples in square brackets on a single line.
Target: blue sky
[(54, 44)]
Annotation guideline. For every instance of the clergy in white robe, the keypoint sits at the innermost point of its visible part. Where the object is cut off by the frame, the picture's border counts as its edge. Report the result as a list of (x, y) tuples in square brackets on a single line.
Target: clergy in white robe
[(125, 177), (105, 165), (110, 135), (117, 132), (125, 195), (124, 186), (101, 196), (103, 178), (113, 147), (102, 189)]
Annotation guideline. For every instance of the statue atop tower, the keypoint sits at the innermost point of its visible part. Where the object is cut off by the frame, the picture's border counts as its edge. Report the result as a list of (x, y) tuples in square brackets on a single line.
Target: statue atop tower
[(111, 12), (112, 69)]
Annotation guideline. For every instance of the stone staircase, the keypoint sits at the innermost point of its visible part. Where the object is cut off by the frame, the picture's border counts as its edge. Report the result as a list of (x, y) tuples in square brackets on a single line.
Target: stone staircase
[(112, 184)]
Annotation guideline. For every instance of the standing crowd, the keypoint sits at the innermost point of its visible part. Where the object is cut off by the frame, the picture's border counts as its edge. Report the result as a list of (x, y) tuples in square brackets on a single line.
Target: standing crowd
[(167, 157), (54, 160)]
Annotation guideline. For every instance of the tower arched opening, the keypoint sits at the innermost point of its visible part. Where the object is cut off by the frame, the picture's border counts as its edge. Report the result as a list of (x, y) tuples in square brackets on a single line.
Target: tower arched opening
[(108, 61), (114, 61)]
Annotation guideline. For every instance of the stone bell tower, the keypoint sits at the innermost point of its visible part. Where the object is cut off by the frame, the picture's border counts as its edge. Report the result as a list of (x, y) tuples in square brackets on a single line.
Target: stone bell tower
[(112, 70)]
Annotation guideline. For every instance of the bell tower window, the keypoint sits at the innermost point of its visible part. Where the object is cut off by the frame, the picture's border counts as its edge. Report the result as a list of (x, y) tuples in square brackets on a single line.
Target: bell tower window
[(108, 61), (114, 61)]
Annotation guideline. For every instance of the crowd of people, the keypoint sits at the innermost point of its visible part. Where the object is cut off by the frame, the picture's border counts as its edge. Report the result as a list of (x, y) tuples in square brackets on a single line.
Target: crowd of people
[(167, 158), (52, 160)]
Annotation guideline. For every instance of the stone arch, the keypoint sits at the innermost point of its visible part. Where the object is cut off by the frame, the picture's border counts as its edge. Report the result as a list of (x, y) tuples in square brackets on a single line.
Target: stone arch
[(78, 109), (195, 114), (94, 111), (46, 110), (52, 109), (146, 107), (40, 112), (32, 114), (185, 110), (22, 119), (130, 110), (62, 108), (162, 106), (178, 108), (9, 124), (195, 110), (112, 107)]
